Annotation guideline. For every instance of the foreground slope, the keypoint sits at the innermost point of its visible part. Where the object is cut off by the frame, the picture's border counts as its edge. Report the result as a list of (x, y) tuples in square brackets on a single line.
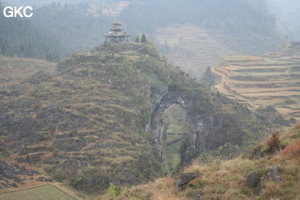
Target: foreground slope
[(270, 171), (96, 119)]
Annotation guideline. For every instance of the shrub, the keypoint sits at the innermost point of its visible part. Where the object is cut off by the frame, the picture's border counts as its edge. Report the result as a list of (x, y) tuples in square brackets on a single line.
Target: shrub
[(292, 151), (273, 141), (297, 126), (113, 191)]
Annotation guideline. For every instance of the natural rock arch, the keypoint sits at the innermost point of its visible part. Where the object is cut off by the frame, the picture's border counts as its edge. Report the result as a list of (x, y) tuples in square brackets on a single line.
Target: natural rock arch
[(199, 127), (214, 121)]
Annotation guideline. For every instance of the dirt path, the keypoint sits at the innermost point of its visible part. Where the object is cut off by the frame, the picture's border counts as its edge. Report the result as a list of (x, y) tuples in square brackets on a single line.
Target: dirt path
[(223, 88)]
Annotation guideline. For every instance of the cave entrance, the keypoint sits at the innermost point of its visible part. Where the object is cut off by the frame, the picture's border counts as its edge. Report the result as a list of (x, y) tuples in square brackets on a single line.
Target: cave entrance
[(176, 132)]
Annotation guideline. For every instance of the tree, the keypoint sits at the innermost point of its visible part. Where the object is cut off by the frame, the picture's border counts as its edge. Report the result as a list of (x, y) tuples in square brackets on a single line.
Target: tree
[(137, 39), (144, 39)]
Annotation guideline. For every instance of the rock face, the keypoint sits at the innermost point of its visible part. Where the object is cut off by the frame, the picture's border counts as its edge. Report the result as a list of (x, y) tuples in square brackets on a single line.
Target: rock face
[(184, 179), (272, 174), (251, 179)]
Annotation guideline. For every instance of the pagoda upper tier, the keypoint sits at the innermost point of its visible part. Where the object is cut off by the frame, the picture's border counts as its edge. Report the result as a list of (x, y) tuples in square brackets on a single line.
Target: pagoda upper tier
[(116, 34)]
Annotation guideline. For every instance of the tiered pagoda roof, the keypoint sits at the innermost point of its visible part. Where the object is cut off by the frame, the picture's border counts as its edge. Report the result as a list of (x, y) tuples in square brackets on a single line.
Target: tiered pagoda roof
[(116, 34)]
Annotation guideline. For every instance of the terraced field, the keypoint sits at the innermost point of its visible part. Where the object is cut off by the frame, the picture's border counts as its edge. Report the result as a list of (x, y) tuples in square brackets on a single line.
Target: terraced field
[(270, 80), (44, 192)]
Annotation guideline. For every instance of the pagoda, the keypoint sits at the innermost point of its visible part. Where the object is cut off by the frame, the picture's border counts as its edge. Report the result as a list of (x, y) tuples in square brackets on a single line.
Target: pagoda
[(116, 34)]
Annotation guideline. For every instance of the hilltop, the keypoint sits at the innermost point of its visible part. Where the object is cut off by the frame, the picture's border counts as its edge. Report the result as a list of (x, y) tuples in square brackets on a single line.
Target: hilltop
[(96, 118), (271, 80), (198, 32)]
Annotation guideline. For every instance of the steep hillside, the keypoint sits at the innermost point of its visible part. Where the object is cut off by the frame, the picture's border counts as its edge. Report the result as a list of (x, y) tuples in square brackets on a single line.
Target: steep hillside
[(96, 119), (272, 80), (270, 171), (191, 47)]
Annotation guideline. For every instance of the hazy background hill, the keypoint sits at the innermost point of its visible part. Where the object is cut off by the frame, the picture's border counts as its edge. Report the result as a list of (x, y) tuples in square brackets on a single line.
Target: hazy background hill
[(195, 34), (192, 34), (18, 37), (287, 14)]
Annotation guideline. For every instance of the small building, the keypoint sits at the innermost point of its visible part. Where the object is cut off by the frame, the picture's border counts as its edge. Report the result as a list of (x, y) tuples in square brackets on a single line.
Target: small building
[(117, 34)]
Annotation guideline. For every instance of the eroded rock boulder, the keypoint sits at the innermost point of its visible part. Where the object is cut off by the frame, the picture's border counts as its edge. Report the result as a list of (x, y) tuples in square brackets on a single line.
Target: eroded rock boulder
[(184, 179), (251, 179), (272, 174)]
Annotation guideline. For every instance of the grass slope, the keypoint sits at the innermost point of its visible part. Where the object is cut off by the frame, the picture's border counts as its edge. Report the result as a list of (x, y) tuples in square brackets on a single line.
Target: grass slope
[(269, 80), (14, 70), (226, 179)]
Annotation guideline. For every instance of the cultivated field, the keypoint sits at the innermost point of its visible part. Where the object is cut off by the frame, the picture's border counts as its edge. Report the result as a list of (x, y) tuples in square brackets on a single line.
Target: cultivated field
[(44, 192), (270, 80)]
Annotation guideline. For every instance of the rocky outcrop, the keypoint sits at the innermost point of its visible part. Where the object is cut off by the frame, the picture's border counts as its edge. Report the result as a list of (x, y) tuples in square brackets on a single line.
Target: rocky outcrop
[(184, 179), (271, 175), (251, 179)]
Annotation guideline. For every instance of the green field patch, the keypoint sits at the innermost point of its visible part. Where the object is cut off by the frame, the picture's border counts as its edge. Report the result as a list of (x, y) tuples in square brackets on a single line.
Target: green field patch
[(44, 192), (173, 150), (173, 41)]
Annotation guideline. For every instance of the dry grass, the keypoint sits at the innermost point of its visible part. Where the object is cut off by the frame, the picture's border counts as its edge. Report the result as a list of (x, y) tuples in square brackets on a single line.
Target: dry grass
[(160, 189), (273, 140), (292, 151), (226, 180), (297, 126)]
